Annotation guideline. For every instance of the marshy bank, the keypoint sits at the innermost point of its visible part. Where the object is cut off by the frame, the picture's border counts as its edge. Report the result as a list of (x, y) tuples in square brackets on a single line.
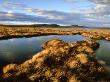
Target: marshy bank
[(17, 32), (59, 61), (30, 46), (17, 50)]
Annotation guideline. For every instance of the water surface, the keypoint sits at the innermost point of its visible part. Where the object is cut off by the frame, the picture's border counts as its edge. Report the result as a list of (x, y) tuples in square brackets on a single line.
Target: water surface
[(103, 53), (83, 28), (20, 49)]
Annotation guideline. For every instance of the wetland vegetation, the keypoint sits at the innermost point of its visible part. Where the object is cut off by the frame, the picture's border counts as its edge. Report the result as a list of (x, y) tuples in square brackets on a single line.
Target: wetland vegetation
[(59, 61), (7, 32), (66, 55)]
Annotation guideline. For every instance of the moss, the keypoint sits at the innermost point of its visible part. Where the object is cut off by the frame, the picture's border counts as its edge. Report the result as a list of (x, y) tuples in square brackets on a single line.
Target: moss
[(61, 62), (42, 79), (52, 61), (63, 79)]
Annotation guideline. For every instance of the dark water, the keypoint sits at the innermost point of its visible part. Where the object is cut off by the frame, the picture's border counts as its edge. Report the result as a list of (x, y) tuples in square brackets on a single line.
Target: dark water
[(84, 28), (103, 53), (21, 49)]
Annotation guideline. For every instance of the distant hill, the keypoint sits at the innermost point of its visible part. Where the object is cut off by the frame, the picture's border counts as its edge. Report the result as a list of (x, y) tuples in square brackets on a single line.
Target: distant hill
[(54, 26), (33, 25)]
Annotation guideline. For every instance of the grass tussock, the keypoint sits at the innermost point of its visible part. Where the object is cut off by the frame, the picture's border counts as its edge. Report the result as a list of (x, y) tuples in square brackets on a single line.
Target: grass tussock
[(60, 62)]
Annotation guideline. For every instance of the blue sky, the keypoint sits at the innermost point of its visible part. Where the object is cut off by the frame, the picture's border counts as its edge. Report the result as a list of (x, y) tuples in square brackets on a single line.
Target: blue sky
[(64, 12)]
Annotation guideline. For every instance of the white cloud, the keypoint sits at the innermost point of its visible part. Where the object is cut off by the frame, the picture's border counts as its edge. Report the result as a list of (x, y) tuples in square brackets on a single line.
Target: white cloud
[(101, 8), (71, 0), (103, 2), (99, 14)]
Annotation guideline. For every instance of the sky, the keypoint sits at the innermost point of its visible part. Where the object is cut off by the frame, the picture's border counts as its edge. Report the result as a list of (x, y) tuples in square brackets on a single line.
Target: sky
[(63, 12)]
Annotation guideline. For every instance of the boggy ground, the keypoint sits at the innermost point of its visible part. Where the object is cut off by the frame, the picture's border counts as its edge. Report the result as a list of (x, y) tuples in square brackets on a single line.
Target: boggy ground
[(59, 61), (16, 32)]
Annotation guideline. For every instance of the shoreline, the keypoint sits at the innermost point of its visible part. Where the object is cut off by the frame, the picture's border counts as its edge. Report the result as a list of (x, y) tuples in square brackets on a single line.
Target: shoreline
[(59, 59), (82, 48), (10, 32)]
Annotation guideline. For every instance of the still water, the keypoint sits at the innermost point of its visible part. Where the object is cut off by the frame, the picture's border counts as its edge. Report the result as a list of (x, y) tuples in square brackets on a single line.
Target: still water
[(84, 28), (20, 49), (103, 53)]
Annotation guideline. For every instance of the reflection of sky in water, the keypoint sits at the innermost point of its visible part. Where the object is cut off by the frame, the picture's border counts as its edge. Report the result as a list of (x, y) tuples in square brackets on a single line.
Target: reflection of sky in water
[(84, 28), (103, 53), (20, 49)]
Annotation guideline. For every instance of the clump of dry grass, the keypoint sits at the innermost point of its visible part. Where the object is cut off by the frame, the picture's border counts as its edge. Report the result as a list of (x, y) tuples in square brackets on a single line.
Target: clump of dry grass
[(59, 62), (29, 31)]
